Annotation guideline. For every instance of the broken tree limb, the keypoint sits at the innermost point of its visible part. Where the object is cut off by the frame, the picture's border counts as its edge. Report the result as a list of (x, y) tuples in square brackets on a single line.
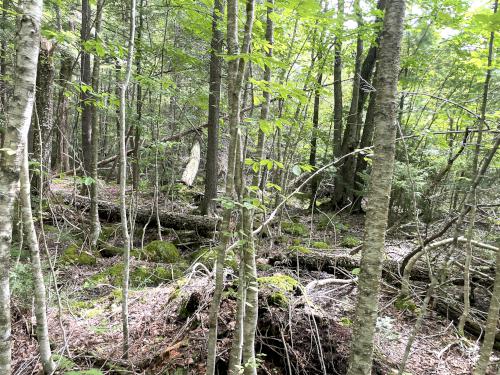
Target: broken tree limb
[(191, 170), (110, 212), (405, 284)]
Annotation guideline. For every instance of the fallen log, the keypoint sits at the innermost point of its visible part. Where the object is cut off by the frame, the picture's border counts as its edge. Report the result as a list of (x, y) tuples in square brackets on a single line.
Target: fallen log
[(110, 212)]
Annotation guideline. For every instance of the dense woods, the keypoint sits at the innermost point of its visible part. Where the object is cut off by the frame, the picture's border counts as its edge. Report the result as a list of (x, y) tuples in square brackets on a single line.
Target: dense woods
[(249, 187)]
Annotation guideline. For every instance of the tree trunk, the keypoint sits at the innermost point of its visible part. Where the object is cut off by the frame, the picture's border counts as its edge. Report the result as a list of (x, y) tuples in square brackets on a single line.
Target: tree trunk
[(344, 185), (95, 225), (314, 140), (19, 112), (42, 332), (136, 167), (191, 170), (86, 84), (123, 180), (60, 159), (360, 362), (337, 86), (44, 119), (208, 204)]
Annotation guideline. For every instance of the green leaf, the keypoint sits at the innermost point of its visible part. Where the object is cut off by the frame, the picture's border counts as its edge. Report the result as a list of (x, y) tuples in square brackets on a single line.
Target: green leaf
[(296, 170)]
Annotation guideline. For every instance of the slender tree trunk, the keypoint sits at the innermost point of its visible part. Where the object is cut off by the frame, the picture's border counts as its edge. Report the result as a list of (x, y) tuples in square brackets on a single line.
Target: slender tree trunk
[(42, 332), (344, 185), (236, 72), (314, 139), (136, 166), (337, 85), (491, 323), (360, 361), (95, 225), (60, 159), (86, 83), (19, 112), (123, 179), (3, 60), (211, 173), (264, 112), (43, 122)]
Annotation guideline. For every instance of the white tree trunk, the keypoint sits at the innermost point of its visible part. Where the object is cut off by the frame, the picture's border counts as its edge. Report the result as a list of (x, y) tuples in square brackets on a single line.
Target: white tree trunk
[(15, 133), (192, 166)]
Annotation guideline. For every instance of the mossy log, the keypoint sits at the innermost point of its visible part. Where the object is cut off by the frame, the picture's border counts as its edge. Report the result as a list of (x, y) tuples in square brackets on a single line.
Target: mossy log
[(110, 212)]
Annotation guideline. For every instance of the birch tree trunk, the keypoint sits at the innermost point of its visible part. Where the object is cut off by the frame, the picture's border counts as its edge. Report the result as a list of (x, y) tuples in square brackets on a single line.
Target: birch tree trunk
[(360, 361), (123, 180), (19, 113), (42, 332)]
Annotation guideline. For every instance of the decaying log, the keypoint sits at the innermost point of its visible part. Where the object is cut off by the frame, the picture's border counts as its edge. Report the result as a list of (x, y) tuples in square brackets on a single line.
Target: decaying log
[(110, 212)]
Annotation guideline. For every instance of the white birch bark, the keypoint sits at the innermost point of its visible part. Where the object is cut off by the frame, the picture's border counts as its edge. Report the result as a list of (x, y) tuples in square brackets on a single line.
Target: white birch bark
[(18, 122)]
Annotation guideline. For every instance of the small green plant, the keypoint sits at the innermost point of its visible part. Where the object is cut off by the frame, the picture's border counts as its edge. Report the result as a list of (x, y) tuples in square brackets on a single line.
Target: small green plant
[(345, 321), (320, 245), (295, 229)]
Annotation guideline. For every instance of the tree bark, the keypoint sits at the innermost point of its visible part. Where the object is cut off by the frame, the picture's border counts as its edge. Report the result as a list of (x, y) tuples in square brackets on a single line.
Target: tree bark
[(344, 185), (19, 113), (337, 86), (44, 119), (360, 361), (86, 84), (211, 173), (123, 180), (42, 331), (95, 225)]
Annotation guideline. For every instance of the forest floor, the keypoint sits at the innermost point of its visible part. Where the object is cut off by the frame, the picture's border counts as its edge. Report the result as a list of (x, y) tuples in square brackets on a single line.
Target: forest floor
[(304, 326)]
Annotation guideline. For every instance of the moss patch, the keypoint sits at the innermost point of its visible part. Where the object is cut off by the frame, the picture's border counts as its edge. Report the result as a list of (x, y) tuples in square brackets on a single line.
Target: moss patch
[(140, 276), (350, 241), (320, 245), (300, 249), (326, 222), (278, 288), (295, 229), (208, 256), (162, 251), (74, 255)]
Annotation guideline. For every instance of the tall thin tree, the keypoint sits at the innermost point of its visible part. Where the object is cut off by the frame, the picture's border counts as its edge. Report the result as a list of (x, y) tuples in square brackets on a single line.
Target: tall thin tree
[(360, 361)]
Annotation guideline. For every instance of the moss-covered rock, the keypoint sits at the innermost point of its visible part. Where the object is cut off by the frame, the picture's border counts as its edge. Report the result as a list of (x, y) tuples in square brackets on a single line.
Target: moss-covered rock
[(299, 249), (278, 288), (161, 251), (350, 242), (295, 229), (76, 256), (320, 245), (208, 256)]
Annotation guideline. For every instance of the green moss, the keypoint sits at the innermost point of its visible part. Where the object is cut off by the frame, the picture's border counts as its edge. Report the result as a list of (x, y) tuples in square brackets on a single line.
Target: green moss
[(162, 251), (300, 249), (295, 229), (278, 299), (405, 304), (350, 241), (85, 372), (296, 241), (74, 255), (320, 245), (140, 276), (63, 363), (106, 250), (107, 232), (208, 256), (326, 222), (264, 267), (279, 281)]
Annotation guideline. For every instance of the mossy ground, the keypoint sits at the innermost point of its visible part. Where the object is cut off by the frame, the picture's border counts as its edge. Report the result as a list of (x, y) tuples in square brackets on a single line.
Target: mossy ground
[(76, 255), (278, 288), (294, 229)]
